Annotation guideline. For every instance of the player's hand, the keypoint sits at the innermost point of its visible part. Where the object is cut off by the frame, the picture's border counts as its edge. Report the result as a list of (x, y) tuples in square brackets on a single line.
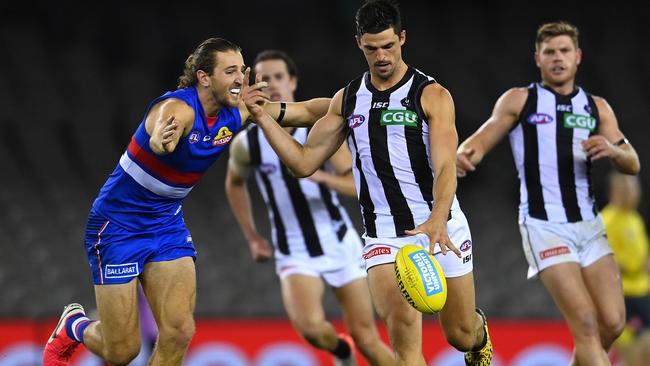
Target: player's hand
[(254, 96), (165, 135), (464, 163), (597, 147), (436, 230), (261, 250)]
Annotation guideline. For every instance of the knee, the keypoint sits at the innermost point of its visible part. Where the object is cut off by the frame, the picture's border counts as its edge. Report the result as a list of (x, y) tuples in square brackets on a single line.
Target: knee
[(177, 333), (310, 328), (365, 336), (612, 327), (122, 353), (462, 336), (585, 324)]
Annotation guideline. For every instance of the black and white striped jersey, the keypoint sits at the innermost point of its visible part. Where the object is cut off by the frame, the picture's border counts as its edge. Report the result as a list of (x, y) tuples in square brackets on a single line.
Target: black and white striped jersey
[(553, 167), (306, 217), (389, 140)]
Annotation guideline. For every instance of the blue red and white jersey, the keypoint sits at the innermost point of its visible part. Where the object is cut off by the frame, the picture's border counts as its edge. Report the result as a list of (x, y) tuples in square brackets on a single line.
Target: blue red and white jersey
[(146, 190)]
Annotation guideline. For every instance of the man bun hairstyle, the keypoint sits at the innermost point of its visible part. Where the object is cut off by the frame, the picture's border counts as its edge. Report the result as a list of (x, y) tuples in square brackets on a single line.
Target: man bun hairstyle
[(203, 59), (375, 16)]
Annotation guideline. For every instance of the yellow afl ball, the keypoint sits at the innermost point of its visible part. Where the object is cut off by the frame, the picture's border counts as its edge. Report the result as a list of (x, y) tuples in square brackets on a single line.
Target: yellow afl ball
[(420, 278)]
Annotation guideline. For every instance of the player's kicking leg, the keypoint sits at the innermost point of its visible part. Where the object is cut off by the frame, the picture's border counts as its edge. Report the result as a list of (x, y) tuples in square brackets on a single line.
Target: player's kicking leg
[(404, 323)]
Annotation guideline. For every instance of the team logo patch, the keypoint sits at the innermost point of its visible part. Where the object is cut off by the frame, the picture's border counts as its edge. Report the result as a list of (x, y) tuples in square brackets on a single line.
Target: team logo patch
[(406, 102), (554, 252), (223, 137), (588, 108), (430, 277), (267, 168), (398, 117), (194, 137), (356, 120), (579, 121), (465, 246), (539, 118), (121, 270), (376, 251)]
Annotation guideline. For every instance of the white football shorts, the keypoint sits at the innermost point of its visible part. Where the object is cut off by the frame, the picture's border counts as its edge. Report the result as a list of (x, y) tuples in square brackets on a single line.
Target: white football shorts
[(547, 243), (338, 268), (383, 250)]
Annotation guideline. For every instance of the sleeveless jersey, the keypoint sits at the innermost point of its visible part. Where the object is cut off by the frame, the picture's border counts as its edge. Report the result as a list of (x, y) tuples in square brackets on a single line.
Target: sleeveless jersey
[(146, 190), (306, 217), (553, 168), (389, 140)]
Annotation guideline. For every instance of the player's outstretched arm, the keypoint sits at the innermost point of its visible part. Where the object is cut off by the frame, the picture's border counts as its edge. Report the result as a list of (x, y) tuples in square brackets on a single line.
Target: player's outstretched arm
[(610, 142), (324, 139), (504, 116), (166, 123), (342, 180), (299, 114), (293, 114), (438, 107), (239, 199)]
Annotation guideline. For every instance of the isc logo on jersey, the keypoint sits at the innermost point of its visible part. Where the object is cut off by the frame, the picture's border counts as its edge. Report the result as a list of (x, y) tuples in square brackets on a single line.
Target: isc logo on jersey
[(420, 279), (579, 121), (404, 117)]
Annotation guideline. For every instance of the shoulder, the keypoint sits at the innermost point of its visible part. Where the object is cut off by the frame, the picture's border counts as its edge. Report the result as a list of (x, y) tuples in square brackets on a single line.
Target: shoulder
[(435, 93), (176, 107), (515, 95), (239, 146)]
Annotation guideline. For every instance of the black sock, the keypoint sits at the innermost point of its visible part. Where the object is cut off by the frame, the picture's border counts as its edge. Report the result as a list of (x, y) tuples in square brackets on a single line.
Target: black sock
[(342, 349)]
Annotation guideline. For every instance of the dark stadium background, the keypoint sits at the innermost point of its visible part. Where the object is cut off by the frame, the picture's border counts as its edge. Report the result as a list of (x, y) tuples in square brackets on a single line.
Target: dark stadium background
[(75, 79)]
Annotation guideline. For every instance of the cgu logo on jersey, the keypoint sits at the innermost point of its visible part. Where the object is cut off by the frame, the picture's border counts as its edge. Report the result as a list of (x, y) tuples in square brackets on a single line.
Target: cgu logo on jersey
[(391, 117), (356, 120), (539, 118), (579, 121), (223, 137)]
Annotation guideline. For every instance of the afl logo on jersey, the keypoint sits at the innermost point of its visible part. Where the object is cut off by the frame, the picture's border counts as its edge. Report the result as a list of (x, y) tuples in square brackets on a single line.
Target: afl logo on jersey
[(539, 118), (267, 168), (466, 245), (223, 137), (356, 120), (194, 137)]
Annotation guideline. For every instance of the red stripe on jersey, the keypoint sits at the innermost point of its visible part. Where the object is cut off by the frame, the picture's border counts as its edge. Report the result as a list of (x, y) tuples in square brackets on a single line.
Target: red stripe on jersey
[(159, 168)]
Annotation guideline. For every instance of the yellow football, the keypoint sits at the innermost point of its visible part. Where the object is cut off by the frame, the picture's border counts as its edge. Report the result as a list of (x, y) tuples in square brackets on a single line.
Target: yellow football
[(420, 278)]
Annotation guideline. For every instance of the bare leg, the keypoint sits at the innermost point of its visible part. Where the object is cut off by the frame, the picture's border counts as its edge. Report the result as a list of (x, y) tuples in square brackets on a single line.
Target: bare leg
[(116, 336), (358, 315), (463, 327), (603, 281), (170, 287), (302, 296), (566, 285), (404, 323)]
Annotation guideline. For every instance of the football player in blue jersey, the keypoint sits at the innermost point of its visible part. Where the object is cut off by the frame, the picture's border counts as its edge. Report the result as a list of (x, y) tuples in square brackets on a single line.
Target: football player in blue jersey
[(136, 231)]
